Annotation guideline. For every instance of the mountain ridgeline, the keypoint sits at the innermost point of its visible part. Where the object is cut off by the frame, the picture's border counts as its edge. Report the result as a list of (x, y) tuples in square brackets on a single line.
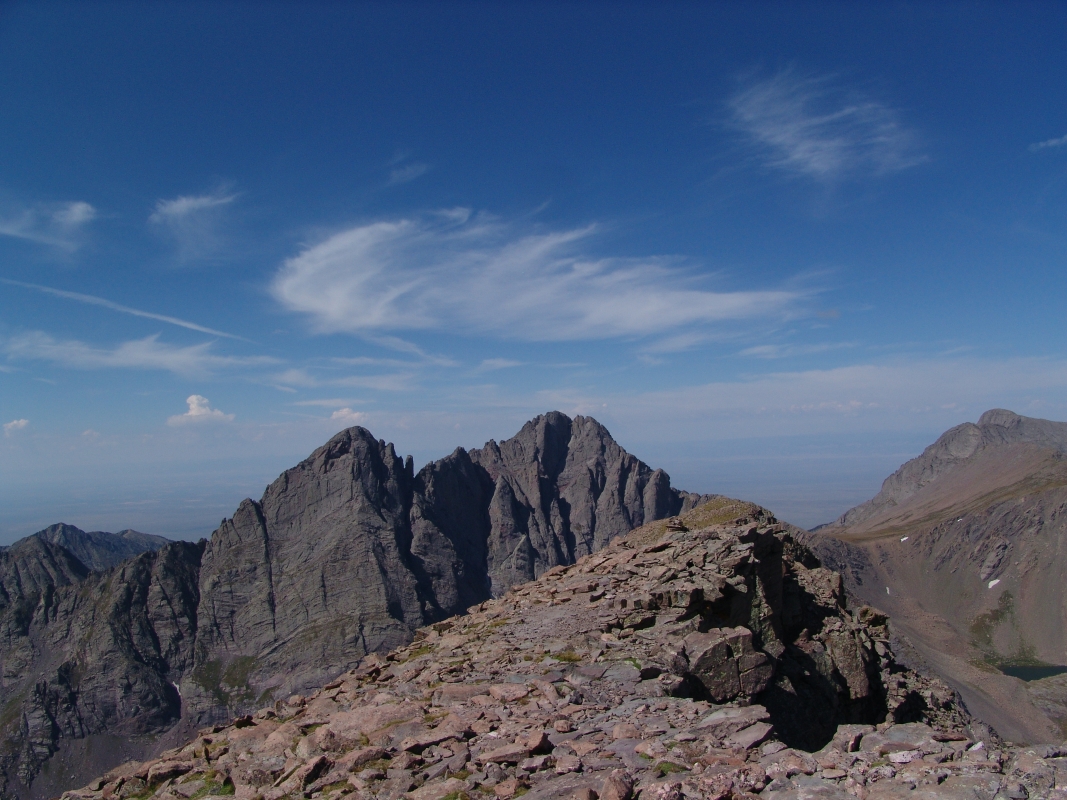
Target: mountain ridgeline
[(345, 554), (965, 547), (99, 550)]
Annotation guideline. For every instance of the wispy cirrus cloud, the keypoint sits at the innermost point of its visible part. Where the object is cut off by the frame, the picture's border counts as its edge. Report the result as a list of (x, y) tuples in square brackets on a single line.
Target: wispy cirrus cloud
[(306, 379), (200, 411), (474, 275), (789, 350), (188, 205), (192, 221), (812, 126), (493, 364), (328, 402), (59, 224), (406, 173), (1048, 143), (100, 301), (147, 353)]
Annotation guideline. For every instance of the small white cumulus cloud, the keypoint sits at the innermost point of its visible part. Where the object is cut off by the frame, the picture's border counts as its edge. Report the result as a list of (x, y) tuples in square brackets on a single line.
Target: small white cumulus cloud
[(474, 275), (15, 425), (347, 416), (1048, 143), (811, 125), (59, 225), (200, 411)]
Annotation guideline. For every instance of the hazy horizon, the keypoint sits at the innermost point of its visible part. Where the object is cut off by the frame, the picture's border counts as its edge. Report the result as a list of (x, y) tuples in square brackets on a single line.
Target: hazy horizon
[(776, 250)]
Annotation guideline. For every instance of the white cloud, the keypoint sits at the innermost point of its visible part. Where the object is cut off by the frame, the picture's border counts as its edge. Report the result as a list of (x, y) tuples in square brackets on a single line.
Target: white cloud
[(334, 402), (473, 275), (399, 382), (389, 382), (73, 215), (809, 125), (147, 353), (192, 221), (200, 411), (490, 364), (348, 417), (100, 301), (296, 377), (789, 350), (59, 225), (15, 425), (675, 344), (406, 173), (1060, 142), (167, 211)]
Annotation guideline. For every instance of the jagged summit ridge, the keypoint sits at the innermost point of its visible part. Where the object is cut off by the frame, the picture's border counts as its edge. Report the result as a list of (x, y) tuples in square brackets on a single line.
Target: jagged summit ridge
[(100, 550), (346, 553), (996, 429)]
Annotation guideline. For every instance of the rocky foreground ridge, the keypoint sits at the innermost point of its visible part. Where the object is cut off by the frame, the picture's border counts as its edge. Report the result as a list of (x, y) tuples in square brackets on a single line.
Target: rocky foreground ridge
[(700, 657), (346, 554)]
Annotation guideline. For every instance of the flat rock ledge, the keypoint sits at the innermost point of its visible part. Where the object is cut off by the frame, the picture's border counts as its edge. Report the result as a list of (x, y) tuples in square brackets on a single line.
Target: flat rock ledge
[(672, 664)]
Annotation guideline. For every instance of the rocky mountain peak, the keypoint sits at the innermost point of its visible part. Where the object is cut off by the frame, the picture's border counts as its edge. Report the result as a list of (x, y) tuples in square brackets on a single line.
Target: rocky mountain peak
[(999, 416), (346, 553), (1000, 436)]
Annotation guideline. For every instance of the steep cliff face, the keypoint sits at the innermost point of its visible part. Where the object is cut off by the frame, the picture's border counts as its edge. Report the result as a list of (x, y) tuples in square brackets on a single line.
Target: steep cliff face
[(562, 489), (99, 653), (347, 553)]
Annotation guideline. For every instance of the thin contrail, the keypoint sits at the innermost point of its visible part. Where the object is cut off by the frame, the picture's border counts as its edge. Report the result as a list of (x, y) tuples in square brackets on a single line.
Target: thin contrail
[(100, 301)]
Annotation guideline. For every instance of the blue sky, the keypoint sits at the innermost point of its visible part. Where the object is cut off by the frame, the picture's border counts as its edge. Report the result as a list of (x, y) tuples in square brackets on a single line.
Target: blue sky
[(775, 248)]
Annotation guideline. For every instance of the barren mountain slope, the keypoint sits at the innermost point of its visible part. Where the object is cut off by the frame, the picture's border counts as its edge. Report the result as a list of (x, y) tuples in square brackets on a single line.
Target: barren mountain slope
[(692, 659), (966, 548)]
